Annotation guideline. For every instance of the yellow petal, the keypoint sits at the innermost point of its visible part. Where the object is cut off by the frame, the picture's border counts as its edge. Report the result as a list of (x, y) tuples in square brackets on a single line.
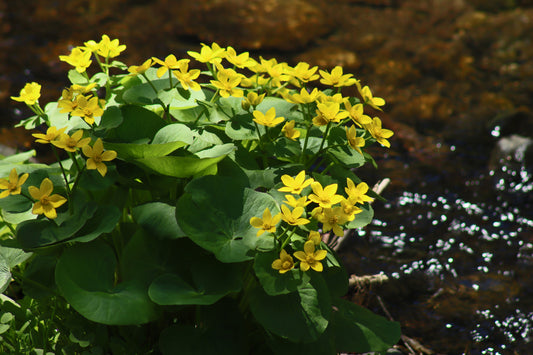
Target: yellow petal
[(317, 266), (109, 155), (300, 255), (102, 168), (320, 254), (46, 187)]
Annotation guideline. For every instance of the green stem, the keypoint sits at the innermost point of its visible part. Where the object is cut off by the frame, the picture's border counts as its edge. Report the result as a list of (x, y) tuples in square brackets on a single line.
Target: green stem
[(170, 78), (62, 171), (261, 145), (149, 83), (286, 241)]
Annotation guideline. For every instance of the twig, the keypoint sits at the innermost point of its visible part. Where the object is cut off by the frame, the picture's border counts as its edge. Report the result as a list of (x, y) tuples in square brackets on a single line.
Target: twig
[(367, 280)]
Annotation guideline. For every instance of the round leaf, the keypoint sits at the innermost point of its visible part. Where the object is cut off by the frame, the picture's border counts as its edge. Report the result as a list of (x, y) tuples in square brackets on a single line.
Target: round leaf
[(300, 316), (85, 275)]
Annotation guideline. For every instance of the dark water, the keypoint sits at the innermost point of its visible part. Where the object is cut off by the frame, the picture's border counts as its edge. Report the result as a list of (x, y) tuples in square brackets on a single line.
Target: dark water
[(458, 256)]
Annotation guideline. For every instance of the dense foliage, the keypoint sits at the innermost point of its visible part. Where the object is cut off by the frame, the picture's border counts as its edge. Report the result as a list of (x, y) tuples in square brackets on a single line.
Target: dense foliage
[(189, 201)]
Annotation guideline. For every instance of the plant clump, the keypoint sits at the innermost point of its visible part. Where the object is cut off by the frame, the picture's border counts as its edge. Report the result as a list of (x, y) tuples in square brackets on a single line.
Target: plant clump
[(193, 202)]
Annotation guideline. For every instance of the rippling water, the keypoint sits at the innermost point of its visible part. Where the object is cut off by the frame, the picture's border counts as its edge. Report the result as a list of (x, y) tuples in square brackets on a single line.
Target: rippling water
[(459, 261)]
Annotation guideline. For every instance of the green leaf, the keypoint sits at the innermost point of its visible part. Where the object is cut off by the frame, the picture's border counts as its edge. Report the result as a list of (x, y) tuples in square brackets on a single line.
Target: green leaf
[(283, 108), (180, 167), (241, 127), (210, 281), (349, 157), (111, 118), (356, 329), (15, 204), (39, 281), (175, 132), (103, 221), (76, 77), (272, 281), (363, 218), (144, 94), (5, 274), (60, 120), (132, 151), (300, 316), (85, 275), (138, 124), (334, 274), (18, 158), (178, 98), (215, 213), (41, 232), (158, 219)]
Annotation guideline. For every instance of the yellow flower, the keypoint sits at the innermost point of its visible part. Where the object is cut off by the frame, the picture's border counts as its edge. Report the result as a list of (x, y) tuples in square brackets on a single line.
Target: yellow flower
[(309, 258), (293, 202), (357, 194), (289, 131), (293, 217), (368, 98), (252, 100), (186, 76), (29, 94), (45, 203), (242, 60), (12, 186), (82, 89), (278, 72), (337, 78), (71, 143), (284, 263), (332, 219), (354, 141), (315, 237), (170, 63), (356, 113), (331, 112), (379, 133), (141, 69), (267, 223), (79, 58), (227, 82), (349, 209), (97, 156), (295, 185), (325, 197), (304, 97), (269, 119), (108, 48), (51, 135), (87, 108), (303, 73), (263, 66), (213, 54)]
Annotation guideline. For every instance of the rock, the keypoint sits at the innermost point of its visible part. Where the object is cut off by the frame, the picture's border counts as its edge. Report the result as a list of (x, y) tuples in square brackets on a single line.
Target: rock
[(269, 24), (327, 57)]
